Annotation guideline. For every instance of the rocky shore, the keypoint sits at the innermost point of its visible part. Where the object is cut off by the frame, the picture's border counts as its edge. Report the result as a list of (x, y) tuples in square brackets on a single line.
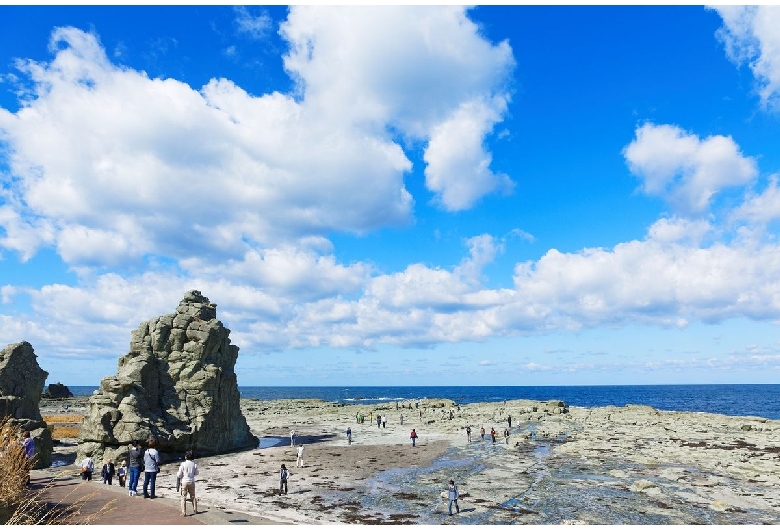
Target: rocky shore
[(561, 465)]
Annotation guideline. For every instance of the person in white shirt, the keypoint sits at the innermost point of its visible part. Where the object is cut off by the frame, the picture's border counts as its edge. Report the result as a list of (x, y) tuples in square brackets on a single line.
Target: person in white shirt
[(87, 466), (187, 471), (299, 462)]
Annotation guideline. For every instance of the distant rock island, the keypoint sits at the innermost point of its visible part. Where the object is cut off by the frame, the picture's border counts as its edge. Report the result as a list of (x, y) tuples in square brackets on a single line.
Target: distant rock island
[(21, 383), (176, 384), (57, 391)]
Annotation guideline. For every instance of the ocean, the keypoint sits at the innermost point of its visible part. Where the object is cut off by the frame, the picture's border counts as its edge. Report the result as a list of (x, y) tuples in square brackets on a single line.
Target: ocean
[(732, 400)]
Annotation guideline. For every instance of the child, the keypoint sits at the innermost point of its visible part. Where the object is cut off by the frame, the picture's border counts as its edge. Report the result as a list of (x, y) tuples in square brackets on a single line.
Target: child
[(121, 473)]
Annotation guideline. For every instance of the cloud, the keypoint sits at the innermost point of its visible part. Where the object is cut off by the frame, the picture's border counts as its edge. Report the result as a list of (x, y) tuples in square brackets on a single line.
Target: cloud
[(761, 208), (458, 165), (256, 27), (396, 69), (750, 36), (152, 166), (683, 169), (654, 282), (109, 165)]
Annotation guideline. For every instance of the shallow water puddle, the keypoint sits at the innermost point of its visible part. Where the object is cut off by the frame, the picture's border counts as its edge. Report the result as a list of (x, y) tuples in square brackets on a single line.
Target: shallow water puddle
[(272, 441)]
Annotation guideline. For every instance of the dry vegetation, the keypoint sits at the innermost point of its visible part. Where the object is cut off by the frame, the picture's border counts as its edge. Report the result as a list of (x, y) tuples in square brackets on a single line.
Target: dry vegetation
[(63, 418), (22, 505), (58, 431), (64, 425)]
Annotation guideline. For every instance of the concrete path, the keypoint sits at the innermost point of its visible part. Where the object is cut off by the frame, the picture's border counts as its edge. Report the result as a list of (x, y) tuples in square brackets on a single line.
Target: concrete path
[(111, 505)]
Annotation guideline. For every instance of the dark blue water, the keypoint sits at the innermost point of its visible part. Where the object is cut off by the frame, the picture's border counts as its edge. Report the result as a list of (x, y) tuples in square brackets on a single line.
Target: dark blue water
[(733, 400)]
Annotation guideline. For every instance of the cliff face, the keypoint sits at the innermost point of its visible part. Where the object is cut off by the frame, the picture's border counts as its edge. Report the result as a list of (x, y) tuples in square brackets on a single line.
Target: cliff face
[(21, 384), (177, 384)]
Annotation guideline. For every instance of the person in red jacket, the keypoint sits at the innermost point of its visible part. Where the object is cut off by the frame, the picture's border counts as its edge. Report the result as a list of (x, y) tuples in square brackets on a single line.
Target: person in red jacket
[(413, 436)]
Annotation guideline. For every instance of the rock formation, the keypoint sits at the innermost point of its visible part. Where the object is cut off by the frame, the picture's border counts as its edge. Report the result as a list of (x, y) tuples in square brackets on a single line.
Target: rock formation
[(57, 391), (21, 383), (177, 384)]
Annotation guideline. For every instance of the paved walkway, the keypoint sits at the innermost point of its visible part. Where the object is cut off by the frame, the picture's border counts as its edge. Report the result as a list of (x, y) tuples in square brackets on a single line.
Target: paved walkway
[(126, 510)]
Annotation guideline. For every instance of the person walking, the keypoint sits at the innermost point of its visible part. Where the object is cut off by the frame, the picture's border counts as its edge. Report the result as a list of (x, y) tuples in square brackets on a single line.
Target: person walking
[(283, 476), (349, 436), (151, 468), (121, 474), (493, 434), (134, 468), (28, 446), (87, 466), (509, 421), (384, 421), (292, 438), (506, 436), (413, 437), (299, 461), (468, 433), (107, 473), (482, 432), (186, 474), (452, 495), (402, 419), (378, 421)]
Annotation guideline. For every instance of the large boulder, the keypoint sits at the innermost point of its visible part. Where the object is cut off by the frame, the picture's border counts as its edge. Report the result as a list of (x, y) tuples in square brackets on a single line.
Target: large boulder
[(177, 384), (57, 391), (21, 383)]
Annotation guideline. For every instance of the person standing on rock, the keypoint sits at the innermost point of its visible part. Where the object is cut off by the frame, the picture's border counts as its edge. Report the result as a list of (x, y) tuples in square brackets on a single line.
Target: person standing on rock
[(452, 495), (134, 469), (283, 476), (151, 468), (413, 437), (299, 461), (187, 471)]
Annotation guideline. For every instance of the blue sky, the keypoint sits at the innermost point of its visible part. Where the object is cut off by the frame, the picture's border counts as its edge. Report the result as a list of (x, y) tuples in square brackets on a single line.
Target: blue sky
[(499, 195)]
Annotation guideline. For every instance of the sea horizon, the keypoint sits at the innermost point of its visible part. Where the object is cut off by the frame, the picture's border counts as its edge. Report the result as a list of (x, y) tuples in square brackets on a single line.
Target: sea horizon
[(753, 399)]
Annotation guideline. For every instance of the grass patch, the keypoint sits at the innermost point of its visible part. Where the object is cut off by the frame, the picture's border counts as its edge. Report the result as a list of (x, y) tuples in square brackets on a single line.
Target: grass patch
[(65, 432), (63, 418)]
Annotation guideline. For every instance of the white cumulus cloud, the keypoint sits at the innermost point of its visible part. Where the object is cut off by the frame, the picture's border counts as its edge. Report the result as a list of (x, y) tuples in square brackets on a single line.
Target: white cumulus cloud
[(108, 165), (751, 37), (684, 169)]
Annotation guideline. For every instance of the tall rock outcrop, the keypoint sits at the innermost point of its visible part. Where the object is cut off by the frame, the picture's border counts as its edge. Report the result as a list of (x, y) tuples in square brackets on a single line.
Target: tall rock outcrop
[(21, 384), (177, 384)]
